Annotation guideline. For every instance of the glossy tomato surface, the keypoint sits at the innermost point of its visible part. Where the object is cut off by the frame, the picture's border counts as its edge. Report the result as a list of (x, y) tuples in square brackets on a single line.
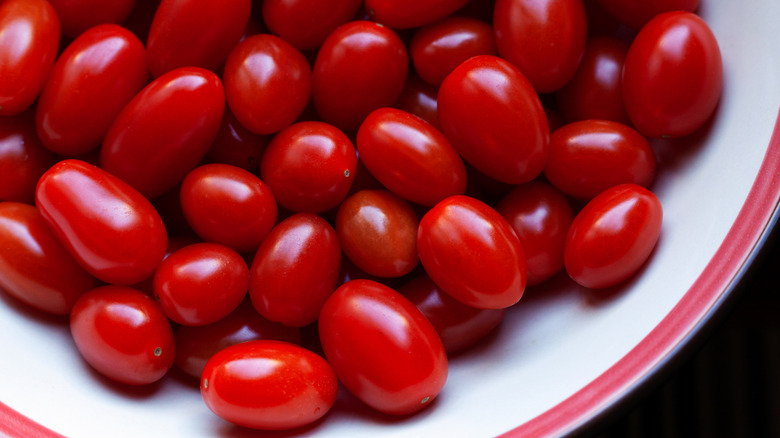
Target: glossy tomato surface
[(378, 232), (613, 236), (23, 159), (165, 130), (472, 253), (544, 39), (196, 344), (382, 348), (34, 266), (405, 14), (92, 81), (305, 23), (410, 156), (439, 47), (267, 83), (590, 156), (195, 33), (123, 334), (636, 13), (360, 67), (459, 326), (494, 119), (76, 16), (108, 227), (673, 75), (309, 166), (295, 270), (228, 205), (29, 42), (269, 385), (540, 215), (201, 283)]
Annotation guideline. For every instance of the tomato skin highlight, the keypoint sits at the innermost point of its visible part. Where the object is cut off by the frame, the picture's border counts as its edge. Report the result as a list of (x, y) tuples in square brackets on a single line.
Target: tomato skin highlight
[(92, 81), (613, 236), (29, 43), (34, 266), (382, 348), (123, 334), (673, 75), (106, 225), (494, 119), (471, 252), (165, 130), (268, 385)]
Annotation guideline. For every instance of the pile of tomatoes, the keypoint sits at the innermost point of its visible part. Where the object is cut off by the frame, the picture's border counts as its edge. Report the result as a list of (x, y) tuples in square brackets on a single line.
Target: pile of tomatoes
[(207, 183)]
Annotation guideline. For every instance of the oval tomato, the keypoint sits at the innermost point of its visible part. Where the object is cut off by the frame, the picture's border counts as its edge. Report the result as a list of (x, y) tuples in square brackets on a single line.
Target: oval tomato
[(228, 205), (382, 348), (360, 67), (590, 156), (295, 270), (544, 39), (405, 14), (268, 385), (309, 166), (92, 81), (123, 334), (267, 83), (23, 159), (419, 98), (494, 119), (195, 33), (636, 13), (165, 131), (107, 226), (613, 236), (34, 266), (305, 23), (673, 75), (29, 43), (472, 253), (76, 16), (410, 157)]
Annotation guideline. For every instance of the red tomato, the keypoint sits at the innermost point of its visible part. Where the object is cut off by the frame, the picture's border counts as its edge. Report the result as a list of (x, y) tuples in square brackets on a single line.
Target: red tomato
[(590, 156), (494, 119), (165, 131), (34, 267), (540, 215), (378, 232), (197, 33), (93, 79), (305, 23), (673, 75), (236, 145), (439, 47), (613, 236), (267, 83), (268, 385), (459, 326), (108, 227), (636, 13), (382, 348), (175, 243), (23, 159), (196, 344), (360, 67), (419, 98), (472, 253), (201, 283), (29, 42), (228, 205), (309, 167), (123, 334), (410, 157), (544, 39), (405, 14), (76, 16), (295, 270), (596, 90)]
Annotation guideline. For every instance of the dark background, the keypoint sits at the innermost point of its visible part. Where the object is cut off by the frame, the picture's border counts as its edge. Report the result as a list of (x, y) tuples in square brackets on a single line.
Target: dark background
[(728, 385)]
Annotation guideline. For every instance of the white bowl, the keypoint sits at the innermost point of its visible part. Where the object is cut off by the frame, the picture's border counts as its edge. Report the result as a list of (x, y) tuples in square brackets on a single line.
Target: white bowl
[(564, 356)]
